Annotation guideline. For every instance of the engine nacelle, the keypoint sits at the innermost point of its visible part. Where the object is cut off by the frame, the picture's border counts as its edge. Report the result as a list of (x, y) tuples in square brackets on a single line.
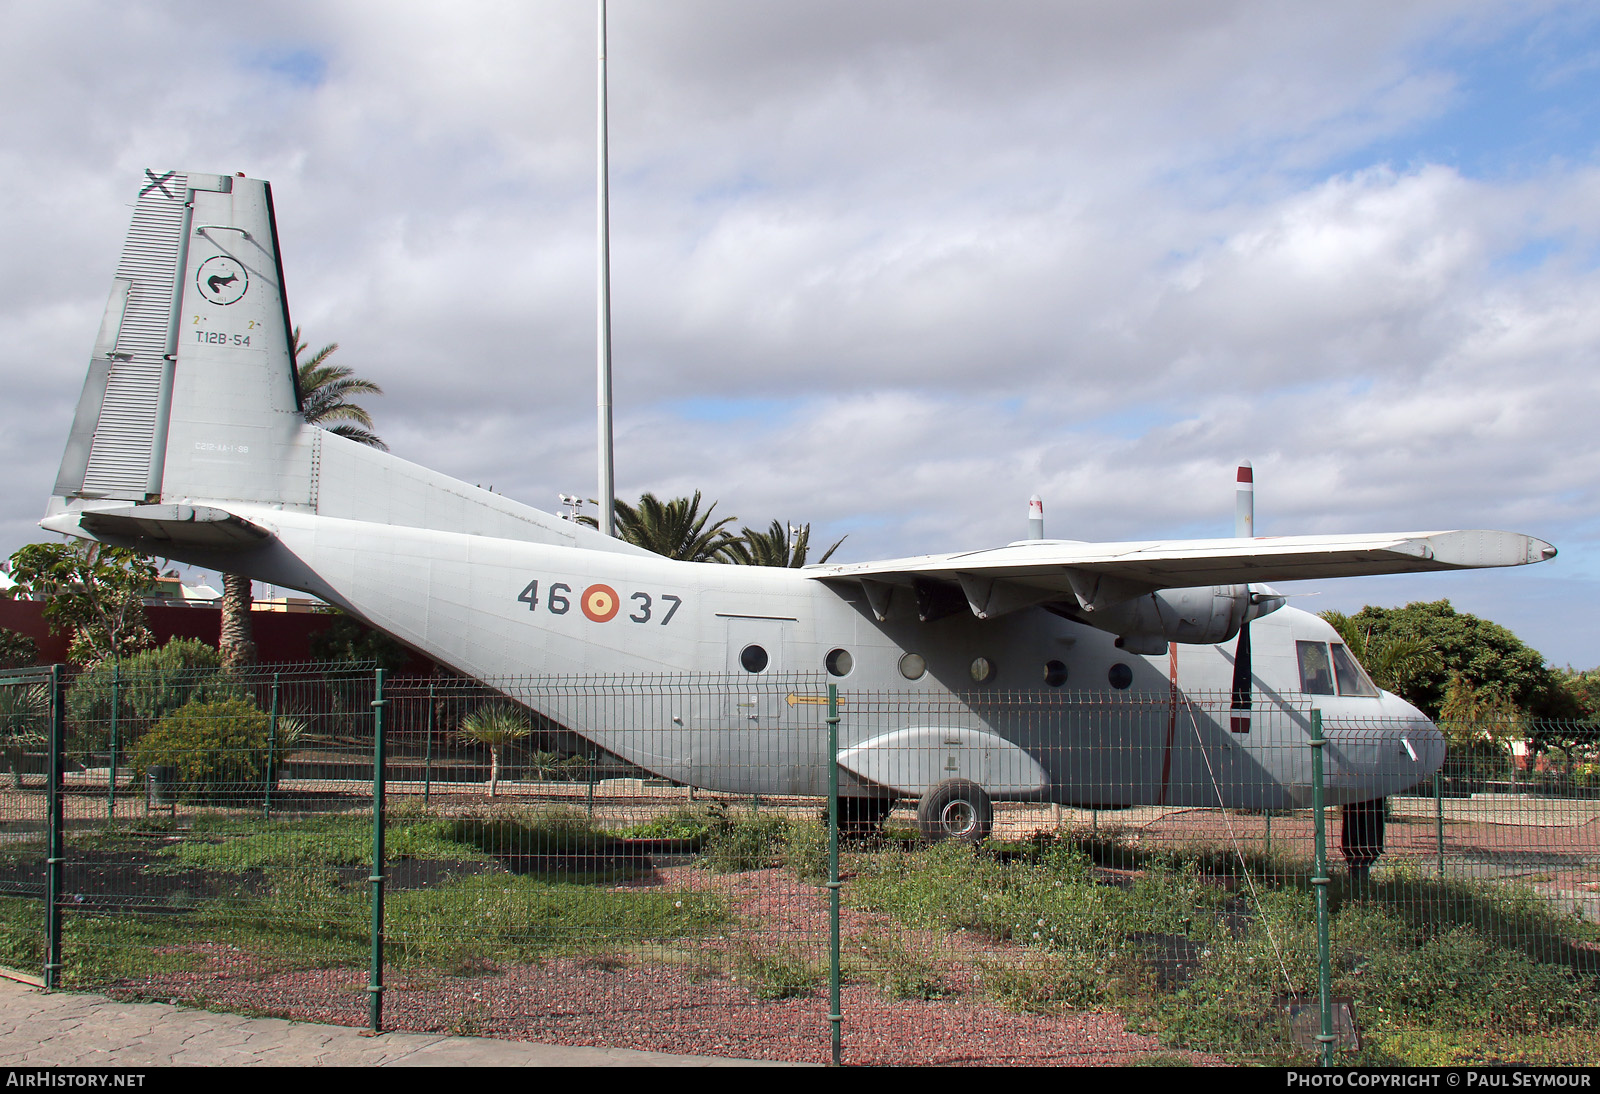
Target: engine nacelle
[(1206, 615)]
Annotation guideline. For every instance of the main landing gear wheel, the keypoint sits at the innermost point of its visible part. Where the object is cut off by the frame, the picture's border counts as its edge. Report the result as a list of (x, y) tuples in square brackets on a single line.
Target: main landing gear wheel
[(955, 809)]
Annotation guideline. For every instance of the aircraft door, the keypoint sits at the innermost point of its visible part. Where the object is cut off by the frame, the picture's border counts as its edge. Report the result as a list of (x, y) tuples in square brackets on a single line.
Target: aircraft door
[(756, 710)]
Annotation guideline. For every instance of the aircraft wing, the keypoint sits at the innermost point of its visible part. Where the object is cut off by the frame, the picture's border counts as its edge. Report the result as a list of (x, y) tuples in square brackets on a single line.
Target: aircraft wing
[(1003, 579)]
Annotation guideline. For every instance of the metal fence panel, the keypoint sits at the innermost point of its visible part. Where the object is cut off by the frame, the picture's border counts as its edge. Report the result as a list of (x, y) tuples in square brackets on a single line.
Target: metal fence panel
[(1144, 887)]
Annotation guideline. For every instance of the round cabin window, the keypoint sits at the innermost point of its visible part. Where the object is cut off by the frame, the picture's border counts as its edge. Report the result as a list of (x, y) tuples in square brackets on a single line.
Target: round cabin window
[(982, 670), (753, 658), (1120, 676), (840, 662), (1055, 673), (912, 666)]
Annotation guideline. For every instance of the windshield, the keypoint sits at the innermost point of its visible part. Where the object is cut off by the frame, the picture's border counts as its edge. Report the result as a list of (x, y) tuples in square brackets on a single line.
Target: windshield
[(1352, 680)]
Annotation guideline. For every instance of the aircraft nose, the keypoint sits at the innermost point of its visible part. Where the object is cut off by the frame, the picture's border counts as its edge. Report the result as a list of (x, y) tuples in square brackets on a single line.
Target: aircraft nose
[(1418, 745), (1374, 757)]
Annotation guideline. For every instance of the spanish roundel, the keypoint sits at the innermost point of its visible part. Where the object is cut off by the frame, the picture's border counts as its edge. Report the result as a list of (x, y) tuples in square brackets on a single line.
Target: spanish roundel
[(600, 602)]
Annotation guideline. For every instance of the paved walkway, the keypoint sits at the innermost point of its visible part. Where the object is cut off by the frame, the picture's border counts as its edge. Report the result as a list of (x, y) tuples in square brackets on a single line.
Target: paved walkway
[(60, 1029)]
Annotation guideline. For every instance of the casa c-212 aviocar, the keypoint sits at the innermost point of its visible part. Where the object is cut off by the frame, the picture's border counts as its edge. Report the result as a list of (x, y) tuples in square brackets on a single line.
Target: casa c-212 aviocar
[(189, 443)]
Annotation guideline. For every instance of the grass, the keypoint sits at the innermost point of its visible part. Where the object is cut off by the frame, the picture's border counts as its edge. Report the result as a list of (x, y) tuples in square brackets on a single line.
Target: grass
[(478, 922), (1184, 948), (899, 970)]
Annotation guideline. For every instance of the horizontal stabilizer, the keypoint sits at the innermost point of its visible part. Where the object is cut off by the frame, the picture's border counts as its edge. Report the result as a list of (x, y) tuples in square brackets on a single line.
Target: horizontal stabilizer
[(159, 526)]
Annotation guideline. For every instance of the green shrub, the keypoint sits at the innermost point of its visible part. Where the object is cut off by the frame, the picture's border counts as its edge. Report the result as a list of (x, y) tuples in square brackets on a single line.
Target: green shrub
[(691, 827), (24, 725), (148, 686), (213, 748)]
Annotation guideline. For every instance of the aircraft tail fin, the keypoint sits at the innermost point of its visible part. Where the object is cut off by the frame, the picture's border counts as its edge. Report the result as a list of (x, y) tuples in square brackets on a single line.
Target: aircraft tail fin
[(190, 423), (191, 384)]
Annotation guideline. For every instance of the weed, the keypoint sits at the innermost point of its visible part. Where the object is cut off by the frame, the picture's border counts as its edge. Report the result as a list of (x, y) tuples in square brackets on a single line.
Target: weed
[(1042, 983), (786, 972), (467, 922), (899, 971), (745, 843), (805, 854)]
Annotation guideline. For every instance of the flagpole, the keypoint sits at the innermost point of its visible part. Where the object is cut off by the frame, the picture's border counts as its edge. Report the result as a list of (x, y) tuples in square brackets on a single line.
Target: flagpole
[(603, 365)]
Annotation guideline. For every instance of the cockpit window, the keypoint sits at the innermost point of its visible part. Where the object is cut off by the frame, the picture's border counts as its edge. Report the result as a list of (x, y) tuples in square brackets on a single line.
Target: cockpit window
[(1316, 674), (1352, 681)]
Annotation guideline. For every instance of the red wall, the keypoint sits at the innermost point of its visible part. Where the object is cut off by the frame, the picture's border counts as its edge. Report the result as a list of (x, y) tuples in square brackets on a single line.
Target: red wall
[(281, 637)]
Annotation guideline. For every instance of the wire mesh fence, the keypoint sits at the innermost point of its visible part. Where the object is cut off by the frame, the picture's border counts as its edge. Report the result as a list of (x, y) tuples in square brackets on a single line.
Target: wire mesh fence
[(645, 863)]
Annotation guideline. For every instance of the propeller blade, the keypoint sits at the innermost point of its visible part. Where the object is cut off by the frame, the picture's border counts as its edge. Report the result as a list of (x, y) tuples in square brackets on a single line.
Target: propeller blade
[(1239, 716)]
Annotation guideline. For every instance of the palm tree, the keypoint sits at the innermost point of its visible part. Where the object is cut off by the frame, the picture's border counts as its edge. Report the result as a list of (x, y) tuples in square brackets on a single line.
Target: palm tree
[(775, 548), (325, 393), (496, 726), (676, 529)]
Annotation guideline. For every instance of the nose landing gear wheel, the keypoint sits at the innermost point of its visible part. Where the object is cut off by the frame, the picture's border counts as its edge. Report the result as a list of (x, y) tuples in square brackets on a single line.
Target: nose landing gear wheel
[(955, 809)]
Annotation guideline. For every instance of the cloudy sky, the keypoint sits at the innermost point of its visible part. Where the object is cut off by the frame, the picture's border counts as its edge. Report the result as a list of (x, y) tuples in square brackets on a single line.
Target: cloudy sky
[(890, 266)]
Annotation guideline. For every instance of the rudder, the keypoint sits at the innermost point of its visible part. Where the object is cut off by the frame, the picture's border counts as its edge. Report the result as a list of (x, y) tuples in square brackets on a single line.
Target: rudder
[(191, 384)]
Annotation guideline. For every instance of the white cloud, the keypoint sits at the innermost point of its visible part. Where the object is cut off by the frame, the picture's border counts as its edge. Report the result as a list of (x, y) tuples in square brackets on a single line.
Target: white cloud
[(1095, 251)]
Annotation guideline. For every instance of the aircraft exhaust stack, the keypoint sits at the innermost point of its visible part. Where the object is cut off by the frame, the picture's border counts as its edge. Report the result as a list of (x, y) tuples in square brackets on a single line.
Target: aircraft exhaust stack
[(1035, 518), (1244, 508)]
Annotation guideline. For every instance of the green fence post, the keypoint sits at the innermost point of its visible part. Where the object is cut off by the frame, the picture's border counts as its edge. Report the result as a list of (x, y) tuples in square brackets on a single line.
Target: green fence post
[(375, 987), (111, 783), (1320, 882), (594, 762), (272, 751), (1438, 817), (1269, 833), (56, 856), (427, 749), (835, 1018)]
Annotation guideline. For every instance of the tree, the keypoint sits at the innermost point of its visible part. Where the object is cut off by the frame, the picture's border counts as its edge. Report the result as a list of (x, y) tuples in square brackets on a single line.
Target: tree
[(774, 547), (1484, 655), (1574, 728), (1396, 662), (676, 529), (326, 391), (17, 650), (92, 591), (496, 726), (325, 394)]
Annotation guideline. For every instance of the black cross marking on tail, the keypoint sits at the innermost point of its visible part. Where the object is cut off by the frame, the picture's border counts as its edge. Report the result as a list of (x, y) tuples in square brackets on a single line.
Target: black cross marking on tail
[(155, 183)]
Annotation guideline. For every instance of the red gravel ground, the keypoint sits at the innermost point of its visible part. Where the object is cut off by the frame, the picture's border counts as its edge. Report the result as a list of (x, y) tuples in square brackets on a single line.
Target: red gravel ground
[(683, 1004), (573, 1002)]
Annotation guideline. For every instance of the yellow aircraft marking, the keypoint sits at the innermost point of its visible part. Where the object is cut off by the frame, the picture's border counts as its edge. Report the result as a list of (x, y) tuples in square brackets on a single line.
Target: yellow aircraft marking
[(809, 700)]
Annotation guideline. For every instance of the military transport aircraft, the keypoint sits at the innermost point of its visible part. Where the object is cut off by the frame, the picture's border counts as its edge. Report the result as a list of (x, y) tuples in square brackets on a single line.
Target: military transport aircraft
[(189, 443)]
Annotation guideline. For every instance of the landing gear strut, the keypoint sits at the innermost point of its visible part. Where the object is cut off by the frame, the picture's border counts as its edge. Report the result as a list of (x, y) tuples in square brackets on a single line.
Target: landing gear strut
[(1361, 835), (862, 818)]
